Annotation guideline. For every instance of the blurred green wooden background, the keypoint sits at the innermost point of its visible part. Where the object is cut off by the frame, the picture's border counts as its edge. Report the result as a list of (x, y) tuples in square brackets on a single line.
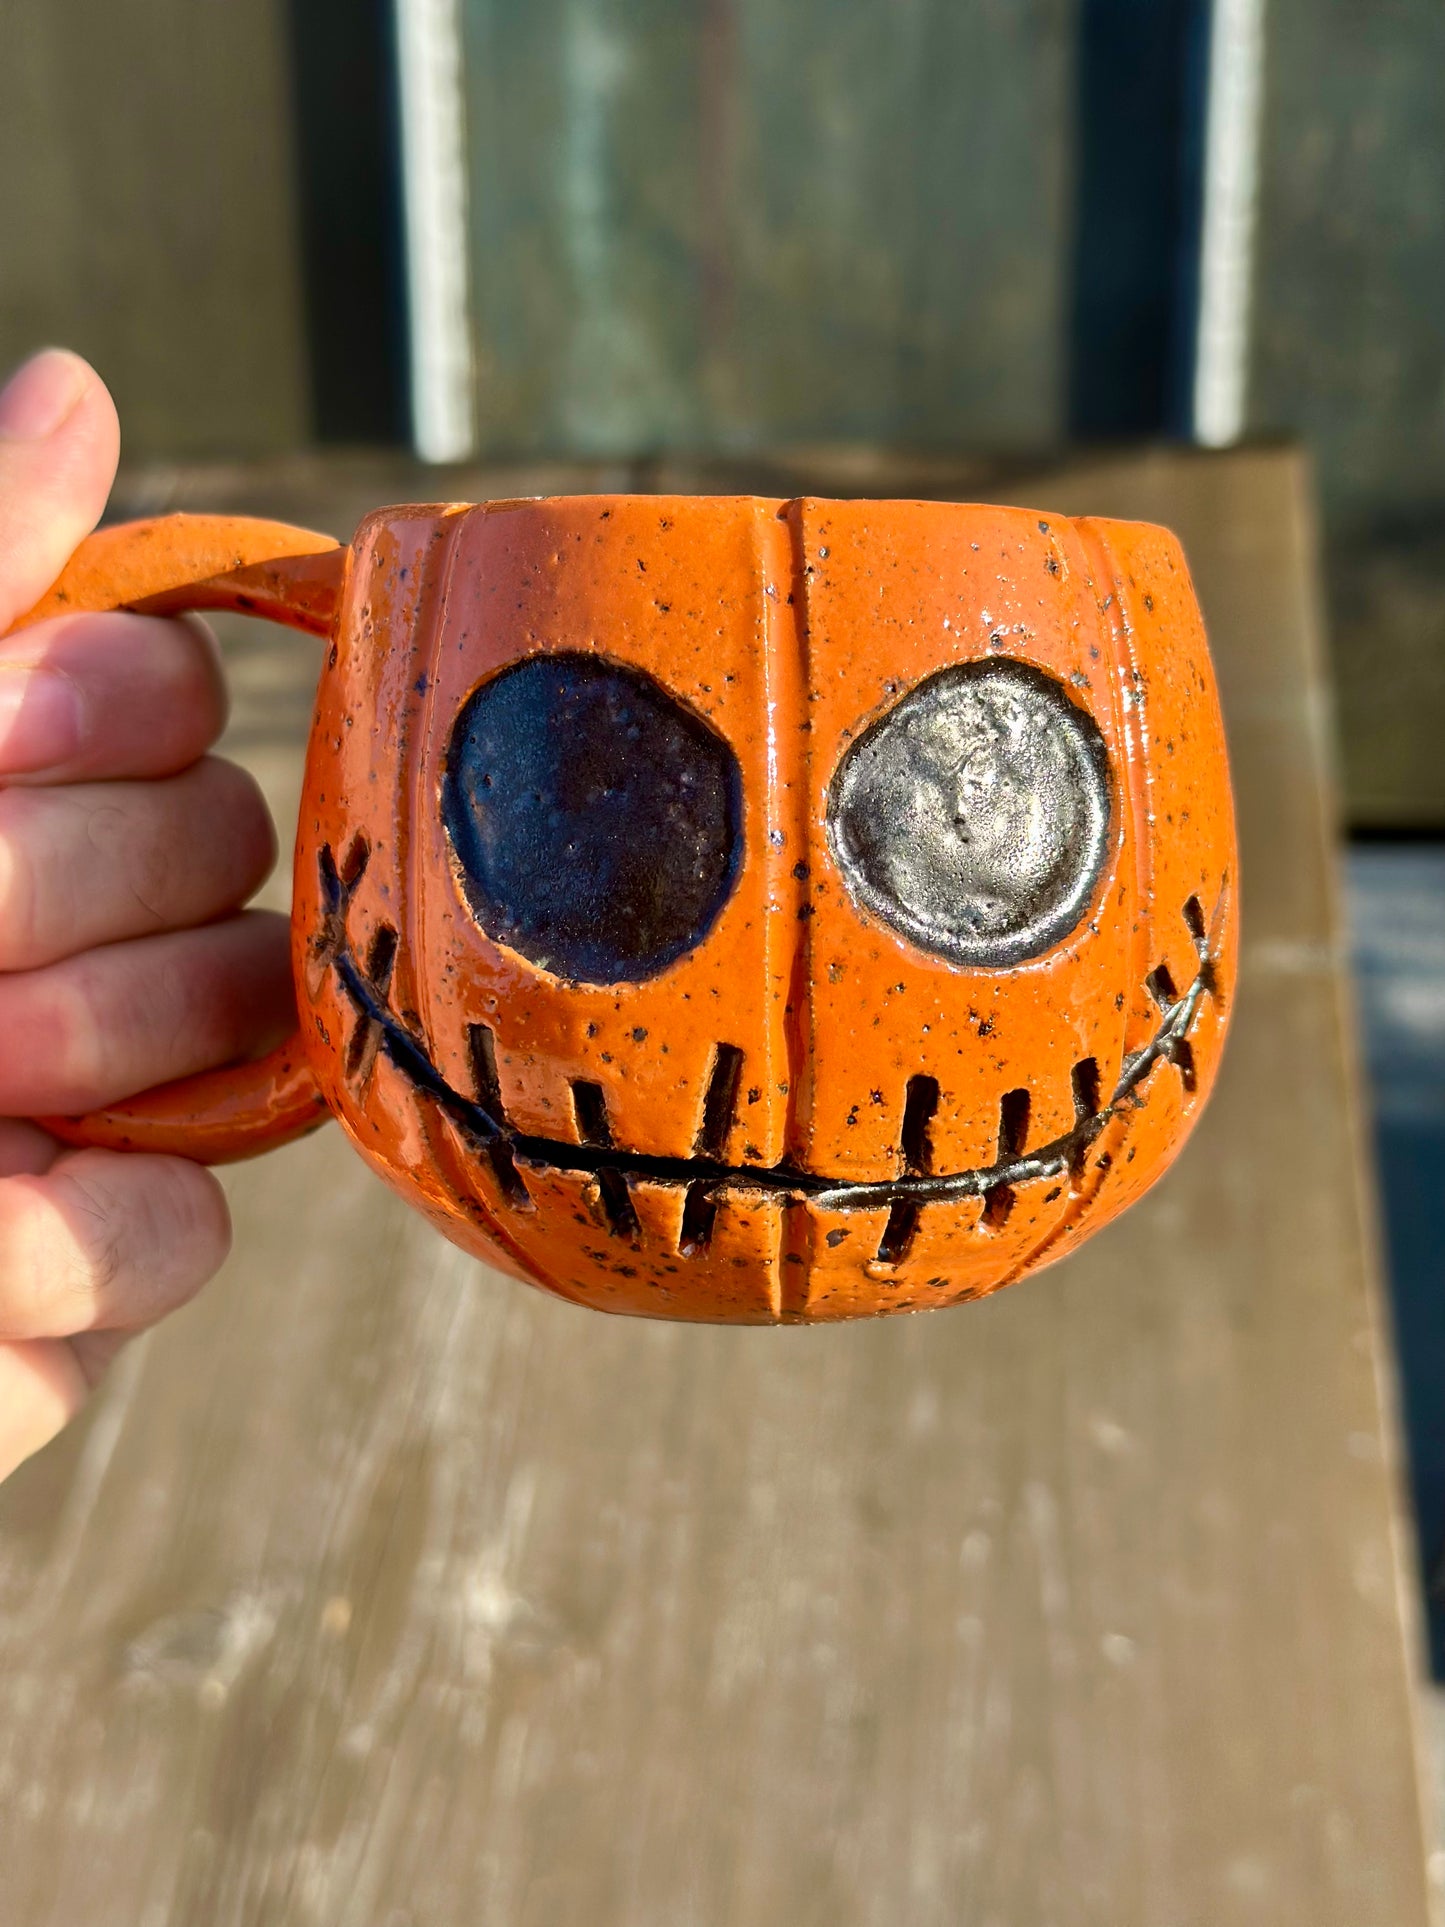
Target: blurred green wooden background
[(731, 225), (743, 222)]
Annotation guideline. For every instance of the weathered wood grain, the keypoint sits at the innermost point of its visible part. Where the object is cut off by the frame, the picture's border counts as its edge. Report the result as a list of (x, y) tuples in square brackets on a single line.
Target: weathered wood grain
[(380, 1590)]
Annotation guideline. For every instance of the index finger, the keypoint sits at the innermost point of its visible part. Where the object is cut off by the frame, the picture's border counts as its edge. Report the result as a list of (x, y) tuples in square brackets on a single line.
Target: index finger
[(108, 696)]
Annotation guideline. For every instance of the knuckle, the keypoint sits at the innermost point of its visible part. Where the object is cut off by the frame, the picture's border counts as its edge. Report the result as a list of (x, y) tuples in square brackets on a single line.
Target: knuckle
[(133, 1015), (67, 1015), (110, 1241), (136, 857), (21, 865), (91, 1260), (203, 650), (18, 1250), (188, 661), (238, 807), (115, 834), (56, 1261), (185, 1231), (94, 1027)]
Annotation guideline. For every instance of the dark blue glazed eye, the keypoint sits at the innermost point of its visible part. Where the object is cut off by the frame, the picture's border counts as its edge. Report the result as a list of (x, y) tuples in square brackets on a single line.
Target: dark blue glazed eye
[(596, 820)]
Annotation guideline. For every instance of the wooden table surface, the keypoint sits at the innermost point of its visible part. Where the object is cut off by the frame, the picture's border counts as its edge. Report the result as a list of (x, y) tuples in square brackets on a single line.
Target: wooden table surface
[(378, 1591)]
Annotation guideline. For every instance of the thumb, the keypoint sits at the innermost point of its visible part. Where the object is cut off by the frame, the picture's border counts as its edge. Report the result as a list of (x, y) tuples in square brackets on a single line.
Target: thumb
[(59, 441)]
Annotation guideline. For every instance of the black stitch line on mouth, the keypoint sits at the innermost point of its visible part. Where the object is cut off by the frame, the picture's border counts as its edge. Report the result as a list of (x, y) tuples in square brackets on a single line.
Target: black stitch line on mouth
[(408, 1055), (915, 1143)]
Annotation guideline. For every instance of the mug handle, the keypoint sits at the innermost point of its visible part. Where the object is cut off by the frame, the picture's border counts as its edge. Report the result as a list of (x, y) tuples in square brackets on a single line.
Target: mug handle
[(165, 566)]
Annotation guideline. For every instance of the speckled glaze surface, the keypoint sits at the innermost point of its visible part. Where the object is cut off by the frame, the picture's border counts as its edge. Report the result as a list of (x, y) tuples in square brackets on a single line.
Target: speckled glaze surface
[(772, 1087)]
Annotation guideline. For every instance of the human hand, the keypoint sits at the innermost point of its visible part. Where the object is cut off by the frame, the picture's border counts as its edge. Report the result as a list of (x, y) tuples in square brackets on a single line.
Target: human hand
[(125, 959)]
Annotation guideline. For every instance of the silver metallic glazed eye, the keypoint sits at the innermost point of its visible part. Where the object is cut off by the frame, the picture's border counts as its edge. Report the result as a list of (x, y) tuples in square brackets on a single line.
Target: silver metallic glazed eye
[(973, 818)]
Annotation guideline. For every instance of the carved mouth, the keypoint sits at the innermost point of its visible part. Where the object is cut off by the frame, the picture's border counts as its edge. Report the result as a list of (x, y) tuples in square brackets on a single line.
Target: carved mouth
[(482, 1119)]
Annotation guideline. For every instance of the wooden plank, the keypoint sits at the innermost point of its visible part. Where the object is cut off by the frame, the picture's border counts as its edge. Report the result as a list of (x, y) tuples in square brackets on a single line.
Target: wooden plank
[(150, 219), (738, 223), (378, 1588)]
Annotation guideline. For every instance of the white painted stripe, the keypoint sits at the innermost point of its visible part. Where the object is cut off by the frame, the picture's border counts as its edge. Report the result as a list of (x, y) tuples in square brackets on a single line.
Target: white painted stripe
[(1231, 196), (434, 183)]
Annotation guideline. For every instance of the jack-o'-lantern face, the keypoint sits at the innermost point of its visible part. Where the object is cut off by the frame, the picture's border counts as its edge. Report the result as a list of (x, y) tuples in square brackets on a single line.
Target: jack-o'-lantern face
[(765, 911)]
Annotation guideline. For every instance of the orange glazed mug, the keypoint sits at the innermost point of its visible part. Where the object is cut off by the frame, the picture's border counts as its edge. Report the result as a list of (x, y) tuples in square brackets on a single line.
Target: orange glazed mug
[(729, 909)]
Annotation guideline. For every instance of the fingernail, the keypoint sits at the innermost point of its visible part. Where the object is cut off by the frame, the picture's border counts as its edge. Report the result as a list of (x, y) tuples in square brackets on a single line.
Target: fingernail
[(38, 396), (40, 720)]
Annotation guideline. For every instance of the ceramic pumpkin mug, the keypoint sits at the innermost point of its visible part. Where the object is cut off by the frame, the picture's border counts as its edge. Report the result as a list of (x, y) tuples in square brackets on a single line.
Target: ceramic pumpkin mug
[(729, 909)]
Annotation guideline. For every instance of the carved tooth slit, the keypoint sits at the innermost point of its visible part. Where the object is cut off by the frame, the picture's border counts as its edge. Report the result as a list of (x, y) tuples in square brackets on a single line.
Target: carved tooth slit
[(899, 1232), (1182, 1056), (509, 1178), (486, 1085), (589, 1107), (353, 866), (617, 1206), (366, 1038), (1013, 1124), (998, 1202), (919, 1105), (361, 1050), (1194, 918), (1087, 1104), (487, 1089), (920, 1101), (1013, 1131), (1160, 986), (381, 958), (719, 1109), (330, 938), (720, 1105), (699, 1214), (1085, 1079)]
